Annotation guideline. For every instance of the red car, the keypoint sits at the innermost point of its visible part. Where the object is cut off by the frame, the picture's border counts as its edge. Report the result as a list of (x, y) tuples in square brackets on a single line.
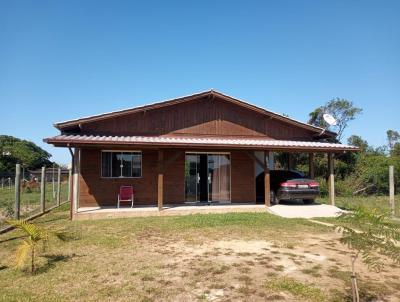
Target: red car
[(288, 185)]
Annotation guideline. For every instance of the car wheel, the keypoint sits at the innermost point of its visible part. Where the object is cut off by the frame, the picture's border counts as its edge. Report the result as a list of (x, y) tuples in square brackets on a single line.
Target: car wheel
[(308, 201), (274, 199)]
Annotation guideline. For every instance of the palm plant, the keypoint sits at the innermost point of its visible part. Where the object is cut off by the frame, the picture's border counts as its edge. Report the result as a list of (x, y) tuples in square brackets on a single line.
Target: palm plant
[(371, 235), (35, 236)]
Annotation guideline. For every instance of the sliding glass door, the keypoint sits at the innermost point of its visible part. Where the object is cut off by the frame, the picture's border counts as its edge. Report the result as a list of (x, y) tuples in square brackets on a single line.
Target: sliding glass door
[(207, 177), (192, 183), (219, 173)]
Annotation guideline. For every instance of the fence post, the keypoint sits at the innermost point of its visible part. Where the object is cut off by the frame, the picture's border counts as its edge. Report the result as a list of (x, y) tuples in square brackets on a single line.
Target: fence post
[(17, 190), (54, 187), (69, 182), (391, 189), (43, 190), (58, 185), (2, 183)]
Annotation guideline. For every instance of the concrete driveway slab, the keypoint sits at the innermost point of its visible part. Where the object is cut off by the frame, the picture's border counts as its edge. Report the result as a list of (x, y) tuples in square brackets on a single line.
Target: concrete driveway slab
[(305, 211)]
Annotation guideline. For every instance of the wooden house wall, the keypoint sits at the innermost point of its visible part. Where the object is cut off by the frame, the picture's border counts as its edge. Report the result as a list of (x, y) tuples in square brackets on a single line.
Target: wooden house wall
[(209, 117), (97, 191)]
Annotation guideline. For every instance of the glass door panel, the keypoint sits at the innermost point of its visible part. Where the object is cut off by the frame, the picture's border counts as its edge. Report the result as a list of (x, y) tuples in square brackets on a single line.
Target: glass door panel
[(207, 177), (224, 178), (213, 177), (192, 192), (219, 177)]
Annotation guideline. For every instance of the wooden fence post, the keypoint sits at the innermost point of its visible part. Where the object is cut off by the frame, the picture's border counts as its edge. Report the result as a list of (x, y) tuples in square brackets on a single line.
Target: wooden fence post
[(391, 190), (69, 183), (17, 190), (58, 185), (53, 183), (43, 191)]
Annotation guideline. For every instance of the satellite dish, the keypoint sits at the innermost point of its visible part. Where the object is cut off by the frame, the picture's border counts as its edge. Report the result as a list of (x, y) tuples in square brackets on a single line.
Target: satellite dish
[(329, 119)]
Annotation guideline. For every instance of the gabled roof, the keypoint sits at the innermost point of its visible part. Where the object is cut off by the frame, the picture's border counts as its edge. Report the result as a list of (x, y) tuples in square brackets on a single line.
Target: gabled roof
[(210, 93)]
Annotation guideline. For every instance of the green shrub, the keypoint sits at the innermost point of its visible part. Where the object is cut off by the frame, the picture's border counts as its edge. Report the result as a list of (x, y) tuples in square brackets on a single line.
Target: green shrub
[(374, 169)]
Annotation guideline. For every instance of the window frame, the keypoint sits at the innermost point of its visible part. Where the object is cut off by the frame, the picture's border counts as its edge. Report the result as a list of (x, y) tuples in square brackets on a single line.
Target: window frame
[(120, 151)]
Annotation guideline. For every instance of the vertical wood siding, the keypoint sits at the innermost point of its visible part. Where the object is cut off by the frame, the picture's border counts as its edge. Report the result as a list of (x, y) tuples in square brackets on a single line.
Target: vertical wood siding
[(198, 117), (243, 186), (97, 191)]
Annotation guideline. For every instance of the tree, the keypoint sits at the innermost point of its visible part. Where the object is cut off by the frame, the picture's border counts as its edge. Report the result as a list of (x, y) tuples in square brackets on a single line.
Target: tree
[(393, 138), (372, 169), (35, 237), (370, 235), (356, 140), (28, 247), (396, 150), (14, 150), (341, 109)]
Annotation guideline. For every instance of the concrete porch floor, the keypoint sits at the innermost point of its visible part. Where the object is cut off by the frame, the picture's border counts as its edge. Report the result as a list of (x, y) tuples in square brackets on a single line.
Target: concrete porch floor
[(88, 213)]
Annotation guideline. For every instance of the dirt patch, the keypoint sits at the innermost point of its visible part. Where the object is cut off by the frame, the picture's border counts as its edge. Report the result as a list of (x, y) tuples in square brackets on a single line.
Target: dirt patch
[(234, 269), (235, 257)]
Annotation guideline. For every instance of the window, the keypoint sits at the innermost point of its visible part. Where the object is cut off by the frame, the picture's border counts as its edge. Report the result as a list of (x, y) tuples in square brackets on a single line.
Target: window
[(121, 164)]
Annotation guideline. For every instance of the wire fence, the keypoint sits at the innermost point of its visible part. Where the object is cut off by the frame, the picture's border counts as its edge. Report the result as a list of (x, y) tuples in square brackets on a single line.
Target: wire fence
[(30, 194)]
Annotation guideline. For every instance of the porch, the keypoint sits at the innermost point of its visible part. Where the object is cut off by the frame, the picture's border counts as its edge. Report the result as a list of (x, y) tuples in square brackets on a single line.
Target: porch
[(85, 213)]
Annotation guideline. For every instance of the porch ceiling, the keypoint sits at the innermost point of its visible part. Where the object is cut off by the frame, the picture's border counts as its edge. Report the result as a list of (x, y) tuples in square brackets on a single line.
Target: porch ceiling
[(197, 142)]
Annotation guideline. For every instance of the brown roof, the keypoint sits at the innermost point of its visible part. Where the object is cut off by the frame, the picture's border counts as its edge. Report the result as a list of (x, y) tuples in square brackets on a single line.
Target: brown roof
[(211, 93), (64, 140)]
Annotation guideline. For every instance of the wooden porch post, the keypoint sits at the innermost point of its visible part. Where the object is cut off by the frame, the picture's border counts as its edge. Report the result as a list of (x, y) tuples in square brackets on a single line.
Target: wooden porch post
[(160, 188), (267, 195), (331, 179), (75, 181), (71, 184), (311, 167), (290, 161)]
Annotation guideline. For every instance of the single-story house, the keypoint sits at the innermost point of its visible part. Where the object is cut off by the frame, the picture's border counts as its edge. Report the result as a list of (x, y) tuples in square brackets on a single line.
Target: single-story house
[(205, 147)]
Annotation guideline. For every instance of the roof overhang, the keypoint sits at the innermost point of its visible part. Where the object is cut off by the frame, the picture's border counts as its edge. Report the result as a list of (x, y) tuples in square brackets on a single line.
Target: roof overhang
[(196, 142)]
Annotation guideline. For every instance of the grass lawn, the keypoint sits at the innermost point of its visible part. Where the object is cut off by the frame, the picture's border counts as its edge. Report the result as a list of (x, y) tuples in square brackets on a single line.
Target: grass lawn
[(212, 257), (30, 202), (380, 202)]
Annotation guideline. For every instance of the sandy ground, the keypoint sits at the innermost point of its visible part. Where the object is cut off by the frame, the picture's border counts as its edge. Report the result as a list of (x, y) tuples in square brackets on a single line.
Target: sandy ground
[(237, 270)]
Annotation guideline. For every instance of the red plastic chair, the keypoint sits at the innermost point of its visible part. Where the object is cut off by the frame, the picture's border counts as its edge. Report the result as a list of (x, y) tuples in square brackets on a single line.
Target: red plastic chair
[(126, 193)]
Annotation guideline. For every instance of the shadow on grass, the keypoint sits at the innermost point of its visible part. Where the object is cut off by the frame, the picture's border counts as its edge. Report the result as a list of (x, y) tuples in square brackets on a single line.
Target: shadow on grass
[(12, 238), (44, 220), (53, 260), (3, 267), (365, 295)]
